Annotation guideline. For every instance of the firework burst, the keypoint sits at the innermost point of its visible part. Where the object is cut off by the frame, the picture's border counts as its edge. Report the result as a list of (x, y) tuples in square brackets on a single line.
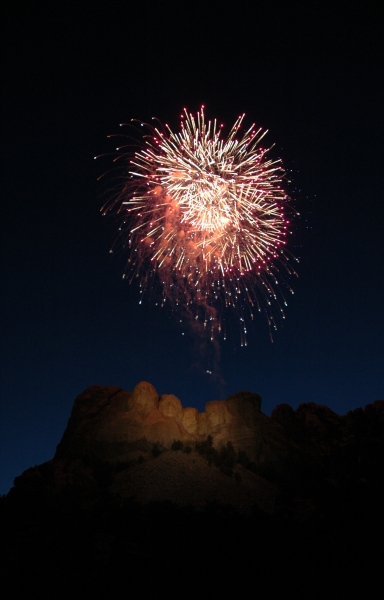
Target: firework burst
[(208, 217)]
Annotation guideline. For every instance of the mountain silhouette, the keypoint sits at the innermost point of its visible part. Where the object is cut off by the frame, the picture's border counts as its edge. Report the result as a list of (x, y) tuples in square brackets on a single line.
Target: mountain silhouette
[(146, 496)]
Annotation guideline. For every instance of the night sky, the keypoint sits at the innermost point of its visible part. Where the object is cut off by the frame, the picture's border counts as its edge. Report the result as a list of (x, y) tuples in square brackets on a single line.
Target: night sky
[(311, 73)]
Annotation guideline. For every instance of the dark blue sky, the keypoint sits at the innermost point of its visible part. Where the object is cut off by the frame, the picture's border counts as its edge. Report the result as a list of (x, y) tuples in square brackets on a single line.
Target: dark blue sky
[(310, 74)]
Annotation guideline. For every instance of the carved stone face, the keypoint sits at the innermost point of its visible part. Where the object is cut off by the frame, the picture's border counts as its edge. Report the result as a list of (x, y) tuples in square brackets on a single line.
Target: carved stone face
[(190, 420), (144, 398), (170, 406)]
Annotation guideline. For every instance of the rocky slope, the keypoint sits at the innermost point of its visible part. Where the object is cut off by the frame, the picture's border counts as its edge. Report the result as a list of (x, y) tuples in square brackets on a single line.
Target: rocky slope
[(139, 480), (114, 436)]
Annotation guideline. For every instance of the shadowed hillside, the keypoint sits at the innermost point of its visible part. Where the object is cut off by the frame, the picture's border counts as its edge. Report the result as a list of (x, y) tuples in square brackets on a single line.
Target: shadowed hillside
[(144, 490)]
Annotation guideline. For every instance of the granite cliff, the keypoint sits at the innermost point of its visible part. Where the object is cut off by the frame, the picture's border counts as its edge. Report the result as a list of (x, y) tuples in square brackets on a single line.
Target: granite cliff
[(109, 423), (127, 430), (141, 487)]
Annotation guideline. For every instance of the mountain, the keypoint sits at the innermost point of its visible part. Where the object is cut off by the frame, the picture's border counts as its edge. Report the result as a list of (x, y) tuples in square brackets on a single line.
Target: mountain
[(143, 489)]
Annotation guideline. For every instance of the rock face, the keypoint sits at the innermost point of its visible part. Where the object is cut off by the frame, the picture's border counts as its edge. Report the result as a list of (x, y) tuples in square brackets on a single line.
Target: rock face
[(299, 494), (113, 425), (110, 423), (267, 458)]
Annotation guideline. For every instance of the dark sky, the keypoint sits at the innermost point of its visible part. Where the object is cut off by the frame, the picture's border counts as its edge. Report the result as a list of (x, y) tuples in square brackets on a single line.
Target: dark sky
[(311, 73)]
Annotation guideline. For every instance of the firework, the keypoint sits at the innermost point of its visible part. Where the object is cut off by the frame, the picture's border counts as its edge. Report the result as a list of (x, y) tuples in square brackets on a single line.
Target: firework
[(207, 216)]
